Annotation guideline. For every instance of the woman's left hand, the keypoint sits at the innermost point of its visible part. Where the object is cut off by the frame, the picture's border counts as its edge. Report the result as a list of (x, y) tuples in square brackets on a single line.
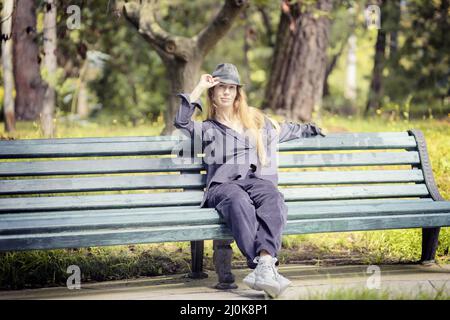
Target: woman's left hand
[(319, 131)]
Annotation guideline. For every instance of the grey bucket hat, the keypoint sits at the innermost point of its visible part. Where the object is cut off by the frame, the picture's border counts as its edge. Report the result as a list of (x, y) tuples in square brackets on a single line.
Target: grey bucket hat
[(228, 73)]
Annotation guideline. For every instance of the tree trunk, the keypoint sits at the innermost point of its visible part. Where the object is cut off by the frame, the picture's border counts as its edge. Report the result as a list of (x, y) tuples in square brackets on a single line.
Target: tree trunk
[(350, 84), (82, 101), (50, 44), (30, 88), (181, 56), (395, 16), (330, 67), (376, 85), (375, 90), (246, 48), (299, 62), (182, 77), (7, 63)]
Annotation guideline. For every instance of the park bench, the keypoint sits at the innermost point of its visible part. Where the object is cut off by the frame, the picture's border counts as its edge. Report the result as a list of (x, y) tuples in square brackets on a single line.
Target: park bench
[(85, 192)]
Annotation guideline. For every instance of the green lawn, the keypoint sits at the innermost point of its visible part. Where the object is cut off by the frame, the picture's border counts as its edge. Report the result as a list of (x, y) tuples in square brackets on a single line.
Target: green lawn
[(374, 294)]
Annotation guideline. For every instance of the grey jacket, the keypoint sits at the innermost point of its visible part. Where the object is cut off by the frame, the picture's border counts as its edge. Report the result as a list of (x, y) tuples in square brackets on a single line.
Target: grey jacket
[(228, 155)]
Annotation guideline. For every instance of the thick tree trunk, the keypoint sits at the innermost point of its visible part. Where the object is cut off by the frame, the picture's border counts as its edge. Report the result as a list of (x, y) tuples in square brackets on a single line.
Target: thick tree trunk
[(30, 88), (299, 62), (48, 109), (182, 77), (181, 56), (7, 63)]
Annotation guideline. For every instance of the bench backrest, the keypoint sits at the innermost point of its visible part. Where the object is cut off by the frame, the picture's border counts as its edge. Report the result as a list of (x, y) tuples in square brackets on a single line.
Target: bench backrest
[(140, 171)]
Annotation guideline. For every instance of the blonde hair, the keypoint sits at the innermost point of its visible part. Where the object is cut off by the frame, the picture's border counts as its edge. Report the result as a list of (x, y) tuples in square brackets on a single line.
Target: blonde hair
[(252, 119)]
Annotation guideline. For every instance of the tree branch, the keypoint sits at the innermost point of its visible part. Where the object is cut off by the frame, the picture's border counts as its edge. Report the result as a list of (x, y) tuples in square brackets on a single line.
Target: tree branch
[(219, 26), (267, 24), (168, 46)]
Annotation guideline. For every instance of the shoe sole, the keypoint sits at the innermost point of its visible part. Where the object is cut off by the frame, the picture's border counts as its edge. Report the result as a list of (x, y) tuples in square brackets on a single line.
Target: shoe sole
[(269, 289), (252, 285), (283, 288)]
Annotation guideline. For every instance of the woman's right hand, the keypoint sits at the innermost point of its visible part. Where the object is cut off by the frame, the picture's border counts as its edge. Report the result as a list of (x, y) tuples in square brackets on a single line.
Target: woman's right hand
[(207, 81)]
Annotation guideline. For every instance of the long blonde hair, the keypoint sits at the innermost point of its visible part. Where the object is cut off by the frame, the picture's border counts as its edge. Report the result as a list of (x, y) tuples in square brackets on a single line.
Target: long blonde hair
[(251, 118)]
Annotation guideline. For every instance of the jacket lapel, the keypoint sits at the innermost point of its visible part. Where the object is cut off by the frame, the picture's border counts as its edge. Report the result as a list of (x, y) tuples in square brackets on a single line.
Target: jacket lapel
[(233, 133)]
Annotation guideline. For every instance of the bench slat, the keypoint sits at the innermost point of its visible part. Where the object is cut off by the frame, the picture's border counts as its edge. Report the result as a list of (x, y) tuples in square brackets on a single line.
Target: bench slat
[(349, 177), (348, 159), (359, 192), (395, 134), (195, 197), (37, 168), (107, 237), (191, 180), (71, 221), (95, 149), (347, 143), (305, 205)]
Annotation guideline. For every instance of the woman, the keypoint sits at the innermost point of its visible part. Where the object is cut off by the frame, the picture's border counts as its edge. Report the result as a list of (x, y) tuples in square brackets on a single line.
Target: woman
[(240, 143)]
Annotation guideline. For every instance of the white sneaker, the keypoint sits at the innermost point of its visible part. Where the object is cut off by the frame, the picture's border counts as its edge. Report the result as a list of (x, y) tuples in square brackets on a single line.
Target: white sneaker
[(250, 280), (266, 275), (284, 282)]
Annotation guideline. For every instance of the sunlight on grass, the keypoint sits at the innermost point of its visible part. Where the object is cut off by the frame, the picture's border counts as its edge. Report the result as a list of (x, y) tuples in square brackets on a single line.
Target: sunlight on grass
[(374, 294)]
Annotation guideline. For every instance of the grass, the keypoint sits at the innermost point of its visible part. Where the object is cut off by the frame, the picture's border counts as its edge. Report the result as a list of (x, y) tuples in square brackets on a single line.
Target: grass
[(375, 294), (48, 268), (39, 268)]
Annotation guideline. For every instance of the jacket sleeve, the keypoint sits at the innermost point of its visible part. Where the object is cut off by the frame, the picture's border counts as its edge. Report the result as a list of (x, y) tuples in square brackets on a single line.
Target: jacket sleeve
[(290, 131), (183, 119)]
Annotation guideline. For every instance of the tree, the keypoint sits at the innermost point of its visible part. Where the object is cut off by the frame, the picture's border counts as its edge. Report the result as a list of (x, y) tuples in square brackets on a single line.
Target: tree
[(420, 66), (30, 88), (342, 28), (299, 60), (376, 84), (182, 56), (50, 44), (7, 63)]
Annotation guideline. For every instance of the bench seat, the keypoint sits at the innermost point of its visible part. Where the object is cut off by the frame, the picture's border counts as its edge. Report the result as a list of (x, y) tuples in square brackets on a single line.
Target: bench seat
[(102, 227)]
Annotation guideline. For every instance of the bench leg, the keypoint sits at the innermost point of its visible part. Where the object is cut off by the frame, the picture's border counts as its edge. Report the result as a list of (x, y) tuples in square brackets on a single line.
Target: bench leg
[(223, 253), (197, 260), (430, 238)]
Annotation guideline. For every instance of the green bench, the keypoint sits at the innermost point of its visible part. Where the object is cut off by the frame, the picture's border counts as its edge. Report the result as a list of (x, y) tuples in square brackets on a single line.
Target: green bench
[(83, 192)]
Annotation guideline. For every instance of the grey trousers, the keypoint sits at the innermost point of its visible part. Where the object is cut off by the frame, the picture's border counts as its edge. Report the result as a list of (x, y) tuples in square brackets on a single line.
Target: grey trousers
[(254, 210)]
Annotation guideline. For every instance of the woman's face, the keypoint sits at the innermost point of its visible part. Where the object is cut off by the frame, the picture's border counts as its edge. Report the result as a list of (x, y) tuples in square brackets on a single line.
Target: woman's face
[(224, 94)]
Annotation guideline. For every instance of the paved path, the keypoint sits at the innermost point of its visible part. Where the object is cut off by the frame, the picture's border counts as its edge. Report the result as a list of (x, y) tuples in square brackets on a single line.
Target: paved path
[(307, 281)]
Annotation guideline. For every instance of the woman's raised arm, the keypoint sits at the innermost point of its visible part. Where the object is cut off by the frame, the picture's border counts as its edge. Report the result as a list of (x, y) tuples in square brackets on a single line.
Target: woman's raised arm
[(188, 103)]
